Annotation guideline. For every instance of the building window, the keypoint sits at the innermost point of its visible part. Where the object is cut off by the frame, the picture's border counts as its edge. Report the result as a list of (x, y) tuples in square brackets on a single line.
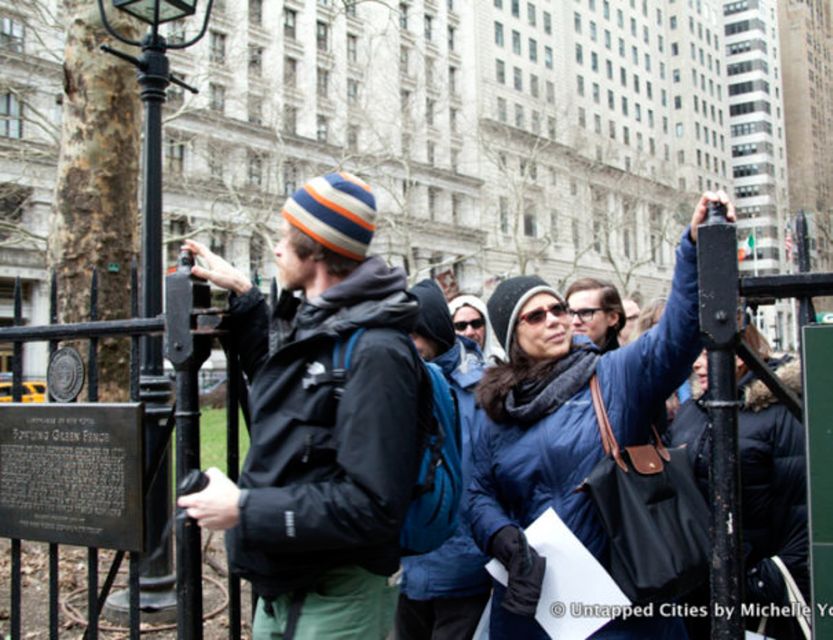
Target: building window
[(548, 57), (290, 119), (498, 34), (533, 50), (519, 116), (255, 109), (256, 12), (290, 72), (503, 214), (429, 27), (217, 97), (500, 71), (11, 35), (429, 111), (403, 15), (323, 83), (290, 179), (518, 78), (216, 162), (174, 156), (353, 137), (451, 37), (11, 116), (501, 109), (452, 80), (255, 61), (352, 48), (254, 175), (290, 19), (321, 128), (530, 224), (322, 36), (352, 90), (516, 43), (217, 53)]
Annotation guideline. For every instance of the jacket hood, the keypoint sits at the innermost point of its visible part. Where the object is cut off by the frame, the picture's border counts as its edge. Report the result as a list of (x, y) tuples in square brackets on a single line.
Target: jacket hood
[(757, 396), (491, 347), (373, 295), (434, 320)]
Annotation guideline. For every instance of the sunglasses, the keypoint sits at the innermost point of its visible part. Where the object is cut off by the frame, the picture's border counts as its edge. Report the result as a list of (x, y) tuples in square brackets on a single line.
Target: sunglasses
[(558, 310), (477, 323)]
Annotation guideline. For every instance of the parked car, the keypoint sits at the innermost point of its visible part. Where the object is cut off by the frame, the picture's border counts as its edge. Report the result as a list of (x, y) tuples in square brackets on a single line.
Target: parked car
[(33, 391)]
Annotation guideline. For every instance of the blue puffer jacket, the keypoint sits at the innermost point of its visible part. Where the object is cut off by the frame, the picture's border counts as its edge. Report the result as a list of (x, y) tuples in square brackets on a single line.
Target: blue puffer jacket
[(522, 471), (456, 569)]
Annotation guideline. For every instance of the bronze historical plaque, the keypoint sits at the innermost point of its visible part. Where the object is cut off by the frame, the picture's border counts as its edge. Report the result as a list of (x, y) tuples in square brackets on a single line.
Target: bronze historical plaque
[(72, 474)]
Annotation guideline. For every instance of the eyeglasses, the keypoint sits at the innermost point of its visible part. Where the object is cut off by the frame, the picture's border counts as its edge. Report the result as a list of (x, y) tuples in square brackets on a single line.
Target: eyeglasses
[(557, 310), (461, 325), (586, 314)]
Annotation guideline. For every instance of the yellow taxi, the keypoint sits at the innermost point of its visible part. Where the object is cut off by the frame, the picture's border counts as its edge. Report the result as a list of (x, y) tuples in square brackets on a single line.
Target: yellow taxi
[(33, 391)]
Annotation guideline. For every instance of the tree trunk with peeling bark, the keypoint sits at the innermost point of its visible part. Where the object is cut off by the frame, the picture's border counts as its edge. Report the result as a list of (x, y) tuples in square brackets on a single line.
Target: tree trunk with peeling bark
[(94, 220)]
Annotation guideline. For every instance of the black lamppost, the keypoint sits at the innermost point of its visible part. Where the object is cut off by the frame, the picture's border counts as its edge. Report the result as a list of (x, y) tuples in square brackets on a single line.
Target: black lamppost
[(157, 579)]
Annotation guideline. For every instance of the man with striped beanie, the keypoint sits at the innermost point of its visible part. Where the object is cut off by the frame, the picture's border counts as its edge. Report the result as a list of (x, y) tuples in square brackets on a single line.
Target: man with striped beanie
[(314, 520)]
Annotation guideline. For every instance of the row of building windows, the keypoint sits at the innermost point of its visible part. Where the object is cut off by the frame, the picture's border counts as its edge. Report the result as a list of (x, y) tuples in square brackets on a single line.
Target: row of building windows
[(748, 128), (750, 107), (531, 14), (749, 86), (532, 46), (746, 66), (751, 148), (742, 26), (754, 169), (740, 5)]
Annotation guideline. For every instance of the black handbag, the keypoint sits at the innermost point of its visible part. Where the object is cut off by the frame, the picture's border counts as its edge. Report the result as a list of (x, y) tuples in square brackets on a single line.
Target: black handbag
[(653, 513)]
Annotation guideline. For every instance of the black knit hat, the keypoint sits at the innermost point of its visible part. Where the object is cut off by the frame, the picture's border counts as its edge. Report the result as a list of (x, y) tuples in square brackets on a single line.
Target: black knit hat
[(508, 299), (434, 319)]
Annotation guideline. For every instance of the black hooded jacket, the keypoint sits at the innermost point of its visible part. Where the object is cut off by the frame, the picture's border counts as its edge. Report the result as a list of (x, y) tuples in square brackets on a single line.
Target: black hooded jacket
[(326, 482), (773, 483)]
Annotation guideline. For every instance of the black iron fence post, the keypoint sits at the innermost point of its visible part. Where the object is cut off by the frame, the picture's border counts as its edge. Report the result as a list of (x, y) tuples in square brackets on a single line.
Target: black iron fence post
[(806, 311), (187, 349), (718, 280)]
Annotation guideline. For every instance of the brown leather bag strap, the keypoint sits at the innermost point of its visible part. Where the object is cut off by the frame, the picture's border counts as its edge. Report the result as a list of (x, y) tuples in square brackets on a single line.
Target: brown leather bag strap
[(609, 444)]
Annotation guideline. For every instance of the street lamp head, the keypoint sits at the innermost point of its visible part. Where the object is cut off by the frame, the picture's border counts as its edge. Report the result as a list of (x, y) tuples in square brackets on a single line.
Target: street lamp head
[(146, 10)]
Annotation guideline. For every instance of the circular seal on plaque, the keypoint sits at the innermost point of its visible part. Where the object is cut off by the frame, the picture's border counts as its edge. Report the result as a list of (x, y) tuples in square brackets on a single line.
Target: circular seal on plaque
[(65, 374)]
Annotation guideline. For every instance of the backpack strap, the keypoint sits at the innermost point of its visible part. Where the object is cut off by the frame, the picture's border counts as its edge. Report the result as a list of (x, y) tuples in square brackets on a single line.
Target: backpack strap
[(340, 367)]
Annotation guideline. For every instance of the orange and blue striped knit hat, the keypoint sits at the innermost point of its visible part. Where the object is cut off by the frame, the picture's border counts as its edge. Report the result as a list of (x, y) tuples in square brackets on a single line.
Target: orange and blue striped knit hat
[(338, 210)]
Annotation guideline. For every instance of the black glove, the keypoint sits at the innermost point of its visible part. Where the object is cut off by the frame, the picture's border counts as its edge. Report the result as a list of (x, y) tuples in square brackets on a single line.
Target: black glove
[(525, 567)]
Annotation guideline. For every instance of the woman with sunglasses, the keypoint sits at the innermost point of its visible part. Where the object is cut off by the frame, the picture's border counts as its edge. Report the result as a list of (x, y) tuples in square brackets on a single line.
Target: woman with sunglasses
[(471, 320), (540, 437)]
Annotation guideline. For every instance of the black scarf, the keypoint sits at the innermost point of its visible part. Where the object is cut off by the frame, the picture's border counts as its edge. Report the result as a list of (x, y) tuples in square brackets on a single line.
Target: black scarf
[(531, 400)]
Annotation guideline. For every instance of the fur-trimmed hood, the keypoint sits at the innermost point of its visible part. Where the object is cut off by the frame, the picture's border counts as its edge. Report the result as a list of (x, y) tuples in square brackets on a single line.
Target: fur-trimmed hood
[(757, 396)]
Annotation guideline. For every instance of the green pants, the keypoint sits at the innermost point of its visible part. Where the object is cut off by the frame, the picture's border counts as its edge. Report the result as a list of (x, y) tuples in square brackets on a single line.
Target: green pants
[(348, 603)]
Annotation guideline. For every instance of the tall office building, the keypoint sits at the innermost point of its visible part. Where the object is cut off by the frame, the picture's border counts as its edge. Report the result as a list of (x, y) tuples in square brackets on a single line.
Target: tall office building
[(757, 131), (806, 34), (600, 121)]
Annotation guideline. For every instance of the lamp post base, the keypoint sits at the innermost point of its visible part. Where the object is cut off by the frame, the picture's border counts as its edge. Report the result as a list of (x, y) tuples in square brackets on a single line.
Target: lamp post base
[(157, 602)]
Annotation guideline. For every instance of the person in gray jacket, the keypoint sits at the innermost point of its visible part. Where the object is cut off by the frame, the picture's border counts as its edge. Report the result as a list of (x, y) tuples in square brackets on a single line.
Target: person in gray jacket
[(315, 519)]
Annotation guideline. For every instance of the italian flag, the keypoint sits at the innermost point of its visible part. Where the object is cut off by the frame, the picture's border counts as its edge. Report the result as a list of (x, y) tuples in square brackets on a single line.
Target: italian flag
[(746, 248)]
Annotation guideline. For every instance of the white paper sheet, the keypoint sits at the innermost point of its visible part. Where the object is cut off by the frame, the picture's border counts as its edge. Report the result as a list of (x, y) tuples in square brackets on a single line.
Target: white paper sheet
[(578, 596)]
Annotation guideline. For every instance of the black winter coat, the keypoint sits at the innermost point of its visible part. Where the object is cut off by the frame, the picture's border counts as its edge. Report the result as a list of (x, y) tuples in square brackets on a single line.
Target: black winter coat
[(326, 482), (773, 486)]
